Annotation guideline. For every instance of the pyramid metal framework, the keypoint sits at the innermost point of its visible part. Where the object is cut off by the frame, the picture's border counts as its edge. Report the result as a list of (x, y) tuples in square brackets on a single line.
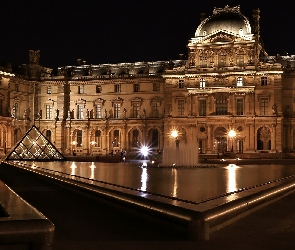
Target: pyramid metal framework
[(35, 146)]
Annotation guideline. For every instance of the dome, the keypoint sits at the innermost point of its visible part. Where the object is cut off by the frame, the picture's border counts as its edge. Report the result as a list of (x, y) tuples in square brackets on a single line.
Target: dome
[(229, 20)]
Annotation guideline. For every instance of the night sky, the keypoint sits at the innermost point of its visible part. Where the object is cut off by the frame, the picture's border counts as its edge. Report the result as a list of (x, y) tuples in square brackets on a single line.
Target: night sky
[(118, 31)]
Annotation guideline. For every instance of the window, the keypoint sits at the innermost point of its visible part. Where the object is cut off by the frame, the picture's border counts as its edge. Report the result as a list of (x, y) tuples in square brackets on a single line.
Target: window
[(181, 84), (49, 90), (1, 107), (203, 61), (240, 106), (48, 135), (98, 111), (117, 110), (136, 87), (263, 81), (239, 82), (221, 105), (222, 59), (135, 134), (79, 138), (135, 107), (263, 106), (156, 86), (180, 107), (15, 110), (202, 83), (97, 138), (117, 87), (48, 111), (155, 109), (81, 89), (202, 107), (98, 88), (240, 59), (80, 108), (116, 138)]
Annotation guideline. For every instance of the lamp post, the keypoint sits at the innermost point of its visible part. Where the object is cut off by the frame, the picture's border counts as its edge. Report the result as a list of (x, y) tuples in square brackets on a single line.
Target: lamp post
[(231, 134), (74, 143), (92, 143)]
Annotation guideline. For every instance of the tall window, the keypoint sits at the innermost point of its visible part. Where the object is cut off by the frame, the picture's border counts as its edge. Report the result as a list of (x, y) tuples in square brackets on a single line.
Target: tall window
[(81, 89), (155, 109), (240, 59), (202, 83), (136, 87), (16, 111), (181, 84), (1, 107), (263, 106), (49, 90), (221, 105), (116, 138), (117, 110), (202, 107), (156, 86), (135, 134), (97, 138), (263, 81), (98, 111), (239, 82), (117, 87), (48, 111), (98, 88), (203, 61), (240, 106), (80, 108), (180, 107), (222, 59), (135, 108), (48, 135), (79, 138)]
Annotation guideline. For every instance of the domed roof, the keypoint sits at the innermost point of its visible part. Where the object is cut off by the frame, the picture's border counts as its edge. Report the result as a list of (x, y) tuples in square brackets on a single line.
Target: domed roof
[(229, 20)]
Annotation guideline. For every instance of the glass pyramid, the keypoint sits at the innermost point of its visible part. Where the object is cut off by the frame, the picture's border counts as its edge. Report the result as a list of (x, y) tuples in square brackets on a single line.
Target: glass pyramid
[(34, 146)]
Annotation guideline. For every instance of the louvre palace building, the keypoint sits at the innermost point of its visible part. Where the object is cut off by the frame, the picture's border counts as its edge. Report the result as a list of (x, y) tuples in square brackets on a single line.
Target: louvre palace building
[(227, 83)]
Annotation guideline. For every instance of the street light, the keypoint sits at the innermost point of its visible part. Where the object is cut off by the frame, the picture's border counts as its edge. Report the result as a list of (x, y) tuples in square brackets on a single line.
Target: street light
[(92, 143), (231, 134), (174, 135), (74, 143)]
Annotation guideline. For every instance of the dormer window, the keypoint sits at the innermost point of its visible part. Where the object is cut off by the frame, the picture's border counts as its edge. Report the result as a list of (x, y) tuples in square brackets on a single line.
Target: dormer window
[(241, 32), (202, 83), (264, 81), (239, 82), (204, 33)]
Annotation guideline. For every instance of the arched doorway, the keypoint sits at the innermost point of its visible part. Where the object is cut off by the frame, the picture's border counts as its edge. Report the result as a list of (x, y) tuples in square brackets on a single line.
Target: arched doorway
[(220, 140), (263, 139)]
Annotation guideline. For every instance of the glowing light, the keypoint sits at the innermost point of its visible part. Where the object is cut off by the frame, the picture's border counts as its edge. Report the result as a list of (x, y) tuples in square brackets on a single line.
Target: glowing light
[(174, 134), (144, 150), (144, 178), (232, 133)]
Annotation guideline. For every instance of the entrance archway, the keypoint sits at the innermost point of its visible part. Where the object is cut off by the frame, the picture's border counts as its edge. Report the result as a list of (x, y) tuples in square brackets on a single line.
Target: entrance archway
[(263, 139), (220, 140)]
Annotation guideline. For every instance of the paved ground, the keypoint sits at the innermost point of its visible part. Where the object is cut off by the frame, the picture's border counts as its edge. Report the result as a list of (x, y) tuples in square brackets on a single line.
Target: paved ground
[(84, 223)]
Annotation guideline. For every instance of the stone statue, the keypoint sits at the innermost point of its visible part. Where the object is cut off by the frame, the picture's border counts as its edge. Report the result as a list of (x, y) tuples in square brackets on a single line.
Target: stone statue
[(34, 56), (105, 113), (124, 112), (274, 109), (144, 113), (56, 114)]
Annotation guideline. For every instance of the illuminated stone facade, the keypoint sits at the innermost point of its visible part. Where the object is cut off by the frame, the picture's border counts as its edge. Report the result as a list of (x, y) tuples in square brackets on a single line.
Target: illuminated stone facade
[(228, 82)]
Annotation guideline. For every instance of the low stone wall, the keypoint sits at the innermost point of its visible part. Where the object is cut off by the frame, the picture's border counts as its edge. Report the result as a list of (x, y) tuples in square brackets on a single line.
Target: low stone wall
[(21, 225)]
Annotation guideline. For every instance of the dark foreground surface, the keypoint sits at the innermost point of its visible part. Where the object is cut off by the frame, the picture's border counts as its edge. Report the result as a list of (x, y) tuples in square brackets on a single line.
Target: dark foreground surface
[(83, 222)]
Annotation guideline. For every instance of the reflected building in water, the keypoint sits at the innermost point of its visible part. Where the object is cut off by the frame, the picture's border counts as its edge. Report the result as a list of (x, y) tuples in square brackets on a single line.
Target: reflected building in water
[(228, 82)]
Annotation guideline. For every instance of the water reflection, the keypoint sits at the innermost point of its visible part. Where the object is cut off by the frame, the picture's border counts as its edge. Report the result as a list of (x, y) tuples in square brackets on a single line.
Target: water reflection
[(92, 167), (193, 184), (73, 167)]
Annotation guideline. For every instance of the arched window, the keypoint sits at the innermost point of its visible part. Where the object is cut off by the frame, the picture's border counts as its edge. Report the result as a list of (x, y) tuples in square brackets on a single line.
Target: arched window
[(116, 138), (135, 138), (79, 138), (97, 138)]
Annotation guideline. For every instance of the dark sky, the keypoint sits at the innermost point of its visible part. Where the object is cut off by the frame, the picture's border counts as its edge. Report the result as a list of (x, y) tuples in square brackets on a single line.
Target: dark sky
[(117, 31)]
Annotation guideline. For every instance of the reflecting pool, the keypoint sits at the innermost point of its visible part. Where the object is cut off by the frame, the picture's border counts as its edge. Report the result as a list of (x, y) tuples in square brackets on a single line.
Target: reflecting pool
[(193, 184)]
